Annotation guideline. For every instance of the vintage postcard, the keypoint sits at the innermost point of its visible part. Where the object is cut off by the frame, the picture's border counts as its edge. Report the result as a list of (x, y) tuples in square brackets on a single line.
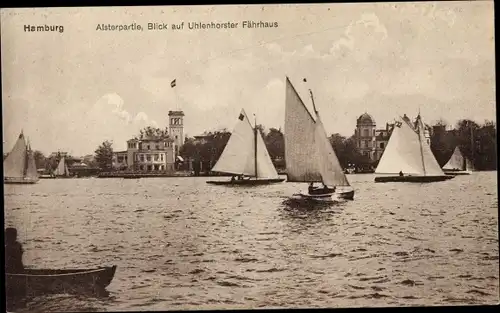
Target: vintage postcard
[(250, 156)]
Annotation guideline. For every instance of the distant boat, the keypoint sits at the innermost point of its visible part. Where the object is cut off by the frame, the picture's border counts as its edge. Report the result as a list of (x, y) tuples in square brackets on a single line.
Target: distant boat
[(309, 154), (246, 154), (458, 164), (19, 166), (62, 169), (408, 158)]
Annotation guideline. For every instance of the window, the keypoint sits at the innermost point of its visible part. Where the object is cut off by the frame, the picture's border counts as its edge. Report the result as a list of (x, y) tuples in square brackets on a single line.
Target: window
[(157, 157), (365, 132), (161, 156), (381, 145), (148, 157), (142, 157), (157, 147)]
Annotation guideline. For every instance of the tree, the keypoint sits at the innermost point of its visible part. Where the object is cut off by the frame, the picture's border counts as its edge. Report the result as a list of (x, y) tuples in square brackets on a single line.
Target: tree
[(104, 156), (152, 132), (275, 143)]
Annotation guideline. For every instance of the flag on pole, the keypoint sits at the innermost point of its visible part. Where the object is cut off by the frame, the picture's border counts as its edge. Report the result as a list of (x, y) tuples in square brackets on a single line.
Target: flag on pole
[(242, 115), (173, 83)]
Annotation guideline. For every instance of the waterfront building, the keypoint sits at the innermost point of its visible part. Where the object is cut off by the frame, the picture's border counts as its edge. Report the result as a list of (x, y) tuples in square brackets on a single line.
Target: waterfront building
[(153, 153)]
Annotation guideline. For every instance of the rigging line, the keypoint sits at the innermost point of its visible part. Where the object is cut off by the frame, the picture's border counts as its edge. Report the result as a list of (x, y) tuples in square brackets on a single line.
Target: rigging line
[(271, 41)]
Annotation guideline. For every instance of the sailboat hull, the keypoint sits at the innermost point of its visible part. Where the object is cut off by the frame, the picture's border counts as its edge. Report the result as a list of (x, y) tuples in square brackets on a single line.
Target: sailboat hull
[(454, 173), (307, 199), (412, 179), (347, 195), (20, 180), (247, 182)]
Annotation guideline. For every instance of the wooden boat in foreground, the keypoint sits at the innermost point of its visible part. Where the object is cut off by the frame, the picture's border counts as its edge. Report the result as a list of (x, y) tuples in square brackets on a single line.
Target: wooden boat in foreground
[(309, 154), (408, 158), (19, 166), (48, 281), (246, 154)]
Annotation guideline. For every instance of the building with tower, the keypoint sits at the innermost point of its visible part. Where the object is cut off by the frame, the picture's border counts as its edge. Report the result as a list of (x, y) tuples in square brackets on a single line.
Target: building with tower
[(176, 129), (371, 142), (153, 153)]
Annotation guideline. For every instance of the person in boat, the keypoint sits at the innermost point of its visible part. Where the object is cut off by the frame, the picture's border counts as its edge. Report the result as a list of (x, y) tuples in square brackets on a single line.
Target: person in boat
[(232, 178), (401, 173), (311, 188), (13, 252)]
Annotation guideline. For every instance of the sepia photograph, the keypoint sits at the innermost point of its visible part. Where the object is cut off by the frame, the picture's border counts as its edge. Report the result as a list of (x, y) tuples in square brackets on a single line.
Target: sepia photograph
[(206, 157)]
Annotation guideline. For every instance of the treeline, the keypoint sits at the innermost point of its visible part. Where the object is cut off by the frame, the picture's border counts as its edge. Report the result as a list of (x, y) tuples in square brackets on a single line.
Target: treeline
[(208, 149), (477, 142)]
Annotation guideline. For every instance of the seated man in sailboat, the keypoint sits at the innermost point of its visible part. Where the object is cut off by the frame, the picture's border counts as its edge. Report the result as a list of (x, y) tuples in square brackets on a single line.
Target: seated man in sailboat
[(318, 191)]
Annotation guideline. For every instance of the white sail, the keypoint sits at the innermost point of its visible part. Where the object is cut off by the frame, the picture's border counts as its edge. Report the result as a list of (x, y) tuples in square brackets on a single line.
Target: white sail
[(238, 156), (301, 152), (31, 171), (265, 167), (15, 163), (402, 152), (62, 168), (408, 152), (430, 164), (329, 164), (456, 161)]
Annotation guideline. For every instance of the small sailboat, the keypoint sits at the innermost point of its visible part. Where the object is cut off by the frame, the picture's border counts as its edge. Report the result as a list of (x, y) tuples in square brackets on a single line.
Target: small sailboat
[(408, 158), (458, 164), (246, 154), (62, 169), (19, 166), (309, 155)]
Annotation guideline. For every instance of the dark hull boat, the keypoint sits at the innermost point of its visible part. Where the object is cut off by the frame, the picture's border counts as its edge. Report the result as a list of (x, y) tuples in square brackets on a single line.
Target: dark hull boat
[(412, 179), (246, 182), (408, 158), (47, 281), (245, 154), (455, 173)]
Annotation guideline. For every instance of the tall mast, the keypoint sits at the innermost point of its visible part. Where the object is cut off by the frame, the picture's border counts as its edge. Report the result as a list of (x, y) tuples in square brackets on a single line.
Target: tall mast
[(255, 143), (471, 142), (419, 121)]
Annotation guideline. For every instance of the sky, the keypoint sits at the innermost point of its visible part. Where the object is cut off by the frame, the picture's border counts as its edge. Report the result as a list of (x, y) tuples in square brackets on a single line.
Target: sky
[(70, 91)]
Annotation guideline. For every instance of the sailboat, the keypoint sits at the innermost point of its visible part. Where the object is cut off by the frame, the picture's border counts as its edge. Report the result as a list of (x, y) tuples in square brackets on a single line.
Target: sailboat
[(19, 166), (408, 156), (458, 164), (246, 154), (309, 155), (62, 169)]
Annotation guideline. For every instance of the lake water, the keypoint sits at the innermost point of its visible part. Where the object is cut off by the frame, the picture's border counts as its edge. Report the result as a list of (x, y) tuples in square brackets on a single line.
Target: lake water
[(180, 243)]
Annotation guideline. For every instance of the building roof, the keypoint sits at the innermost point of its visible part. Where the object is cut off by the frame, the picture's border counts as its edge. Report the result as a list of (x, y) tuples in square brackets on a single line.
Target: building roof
[(365, 119), (176, 113)]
